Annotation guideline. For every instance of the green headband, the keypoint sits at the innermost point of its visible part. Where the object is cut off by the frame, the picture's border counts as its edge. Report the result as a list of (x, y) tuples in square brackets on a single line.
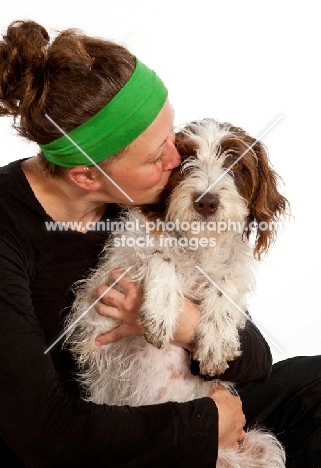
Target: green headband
[(119, 123)]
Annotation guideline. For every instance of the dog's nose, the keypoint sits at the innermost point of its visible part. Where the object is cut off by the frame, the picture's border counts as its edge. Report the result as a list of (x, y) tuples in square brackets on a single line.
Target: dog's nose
[(207, 204)]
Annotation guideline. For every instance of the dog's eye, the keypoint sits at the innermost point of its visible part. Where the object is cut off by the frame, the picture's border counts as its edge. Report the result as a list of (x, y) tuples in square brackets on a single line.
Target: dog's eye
[(232, 164), (236, 166)]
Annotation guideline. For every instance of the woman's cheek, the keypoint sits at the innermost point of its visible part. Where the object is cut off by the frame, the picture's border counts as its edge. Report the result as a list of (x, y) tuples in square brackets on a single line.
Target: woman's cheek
[(152, 177)]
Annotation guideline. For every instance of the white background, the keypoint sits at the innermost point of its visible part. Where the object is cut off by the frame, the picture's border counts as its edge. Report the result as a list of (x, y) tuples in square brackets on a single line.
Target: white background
[(246, 62)]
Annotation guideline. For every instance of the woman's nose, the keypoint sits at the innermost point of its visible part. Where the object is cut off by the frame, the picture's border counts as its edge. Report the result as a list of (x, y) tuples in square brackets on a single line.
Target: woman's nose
[(172, 157)]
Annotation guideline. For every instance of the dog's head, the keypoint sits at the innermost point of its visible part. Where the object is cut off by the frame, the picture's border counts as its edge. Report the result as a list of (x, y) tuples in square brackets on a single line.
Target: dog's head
[(226, 176)]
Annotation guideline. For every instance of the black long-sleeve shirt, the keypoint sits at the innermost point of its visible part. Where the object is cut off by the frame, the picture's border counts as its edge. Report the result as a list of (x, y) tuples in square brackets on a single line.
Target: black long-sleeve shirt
[(42, 417)]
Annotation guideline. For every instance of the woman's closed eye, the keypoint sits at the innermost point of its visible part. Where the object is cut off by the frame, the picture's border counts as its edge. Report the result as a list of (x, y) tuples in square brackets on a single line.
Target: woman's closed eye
[(159, 157)]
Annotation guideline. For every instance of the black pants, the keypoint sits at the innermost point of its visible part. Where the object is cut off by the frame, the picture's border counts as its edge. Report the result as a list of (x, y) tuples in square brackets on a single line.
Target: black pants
[(289, 403)]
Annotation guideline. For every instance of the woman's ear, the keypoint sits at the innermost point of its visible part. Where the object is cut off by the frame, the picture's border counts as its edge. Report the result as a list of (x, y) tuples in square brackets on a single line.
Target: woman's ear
[(85, 177)]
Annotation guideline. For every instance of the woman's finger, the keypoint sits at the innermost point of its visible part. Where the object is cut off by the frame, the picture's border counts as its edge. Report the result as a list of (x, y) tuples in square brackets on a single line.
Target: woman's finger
[(122, 331), (128, 286), (110, 337), (108, 311), (110, 295)]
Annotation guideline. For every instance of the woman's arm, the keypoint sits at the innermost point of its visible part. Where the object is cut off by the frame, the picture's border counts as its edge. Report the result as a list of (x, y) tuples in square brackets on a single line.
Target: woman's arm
[(45, 427)]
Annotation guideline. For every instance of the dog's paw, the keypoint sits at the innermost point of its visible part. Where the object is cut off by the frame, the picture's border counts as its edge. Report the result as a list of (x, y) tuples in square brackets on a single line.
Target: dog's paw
[(210, 369), (156, 334), (151, 339), (213, 363)]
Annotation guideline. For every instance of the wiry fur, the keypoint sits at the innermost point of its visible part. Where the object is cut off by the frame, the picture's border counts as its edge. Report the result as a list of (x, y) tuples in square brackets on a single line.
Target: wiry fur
[(136, 372)]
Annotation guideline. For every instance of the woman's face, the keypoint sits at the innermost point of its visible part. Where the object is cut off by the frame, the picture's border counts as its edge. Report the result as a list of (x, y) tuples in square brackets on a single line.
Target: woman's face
[(143, 170)]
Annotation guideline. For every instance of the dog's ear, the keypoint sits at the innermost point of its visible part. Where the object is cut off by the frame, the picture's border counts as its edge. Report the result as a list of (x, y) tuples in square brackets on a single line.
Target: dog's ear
[(185, 144), (267, 205)]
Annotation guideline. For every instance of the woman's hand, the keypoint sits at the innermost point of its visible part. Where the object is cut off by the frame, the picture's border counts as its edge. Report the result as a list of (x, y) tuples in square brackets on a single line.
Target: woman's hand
[(125, 308), (231, 419), (186, 326)]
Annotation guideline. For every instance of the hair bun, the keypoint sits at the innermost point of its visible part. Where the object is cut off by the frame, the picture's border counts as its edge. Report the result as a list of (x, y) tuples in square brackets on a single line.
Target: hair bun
[(70, 78), (22, 65)]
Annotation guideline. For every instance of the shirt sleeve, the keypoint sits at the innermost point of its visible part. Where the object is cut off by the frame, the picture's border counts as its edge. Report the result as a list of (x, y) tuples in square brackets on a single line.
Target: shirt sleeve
[(254, 364), (47, 428)]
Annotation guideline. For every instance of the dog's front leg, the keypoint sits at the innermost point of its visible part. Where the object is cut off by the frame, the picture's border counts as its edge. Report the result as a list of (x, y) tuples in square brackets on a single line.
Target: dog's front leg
[(217, 338), (163, 300)]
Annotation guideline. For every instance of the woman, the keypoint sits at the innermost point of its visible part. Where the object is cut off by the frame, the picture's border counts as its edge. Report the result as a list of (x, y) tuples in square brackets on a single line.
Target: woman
[(104, 125)]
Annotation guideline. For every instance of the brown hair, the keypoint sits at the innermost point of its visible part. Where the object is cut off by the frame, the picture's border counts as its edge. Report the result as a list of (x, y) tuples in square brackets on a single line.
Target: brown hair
[(70, 79)]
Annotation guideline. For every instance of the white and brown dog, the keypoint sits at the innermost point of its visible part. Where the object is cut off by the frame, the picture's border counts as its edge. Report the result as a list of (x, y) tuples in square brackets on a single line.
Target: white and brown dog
[(220, 216)]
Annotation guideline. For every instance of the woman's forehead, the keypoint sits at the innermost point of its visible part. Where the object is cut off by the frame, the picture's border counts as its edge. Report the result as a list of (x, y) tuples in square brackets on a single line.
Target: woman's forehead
[(152, 139)]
